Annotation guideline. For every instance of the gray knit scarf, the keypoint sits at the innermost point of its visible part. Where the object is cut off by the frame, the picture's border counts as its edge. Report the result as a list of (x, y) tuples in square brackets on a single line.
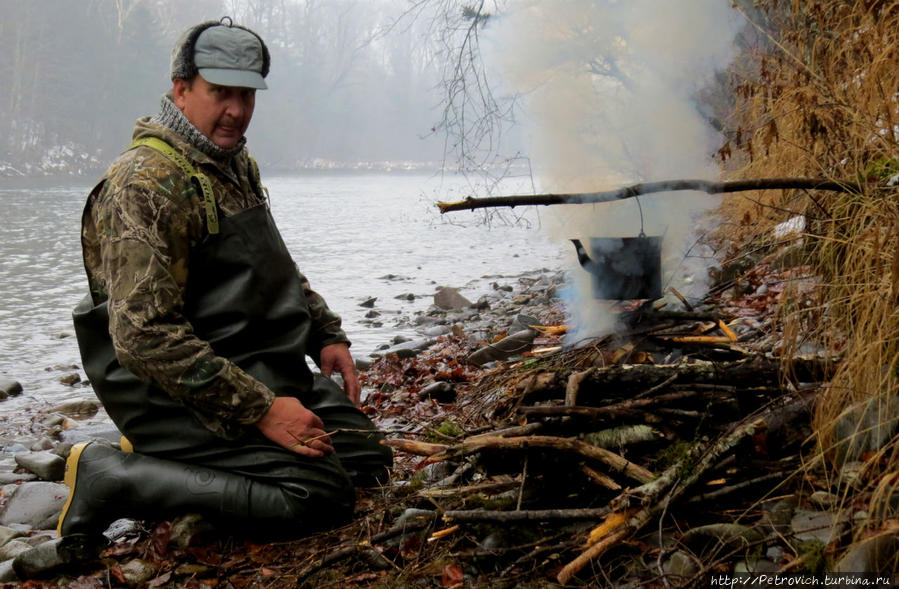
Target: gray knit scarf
[(171, 116)]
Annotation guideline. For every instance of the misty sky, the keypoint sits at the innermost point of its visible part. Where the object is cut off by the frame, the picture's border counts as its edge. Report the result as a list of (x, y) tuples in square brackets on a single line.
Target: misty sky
[(349, 81)]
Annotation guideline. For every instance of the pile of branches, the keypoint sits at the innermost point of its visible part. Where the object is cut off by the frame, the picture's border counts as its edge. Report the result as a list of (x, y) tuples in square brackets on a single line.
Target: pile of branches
[(568, 467)]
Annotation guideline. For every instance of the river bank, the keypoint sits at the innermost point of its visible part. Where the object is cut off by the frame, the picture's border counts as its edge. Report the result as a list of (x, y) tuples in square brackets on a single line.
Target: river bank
[(34, 444)]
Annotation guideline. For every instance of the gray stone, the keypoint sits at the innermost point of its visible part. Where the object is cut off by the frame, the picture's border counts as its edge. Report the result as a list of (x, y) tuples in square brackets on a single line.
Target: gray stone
[(9, 387), (816, 526), (732, 535), (779, 515), (448, 298), (7, 574), (7, 534), (436, 331), (408, 349), (851, 474), (369, 302), (523, 322), (137, 572), (375, 559), (70, 379), (432, 473), (440, 391), (40, 537), (874, 555), (681, 564), (37, 504), (823, 499), (91, 433), (7, 478), (516, 343), (16, 448), (408, 296), (78, 408), (48, 558), (412, 517), (362, 364), (866, 427), (13, 548), (187, 528), (43, 444), (45, 465)]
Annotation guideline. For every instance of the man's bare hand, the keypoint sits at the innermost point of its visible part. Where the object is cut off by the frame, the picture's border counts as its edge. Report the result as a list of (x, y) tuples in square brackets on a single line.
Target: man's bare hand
[(337, 357), (289, 424)]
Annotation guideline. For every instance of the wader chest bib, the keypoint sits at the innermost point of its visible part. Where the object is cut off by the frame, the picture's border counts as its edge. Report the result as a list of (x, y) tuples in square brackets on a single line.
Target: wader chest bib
[(244, 296)]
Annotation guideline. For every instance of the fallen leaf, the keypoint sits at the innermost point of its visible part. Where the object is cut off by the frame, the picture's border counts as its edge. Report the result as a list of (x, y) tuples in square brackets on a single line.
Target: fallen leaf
[(160, 580), (452, 576), (85, 582)]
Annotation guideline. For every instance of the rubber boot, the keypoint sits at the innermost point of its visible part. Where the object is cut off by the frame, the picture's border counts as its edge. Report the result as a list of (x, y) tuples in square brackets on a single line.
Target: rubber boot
[(106, 484)]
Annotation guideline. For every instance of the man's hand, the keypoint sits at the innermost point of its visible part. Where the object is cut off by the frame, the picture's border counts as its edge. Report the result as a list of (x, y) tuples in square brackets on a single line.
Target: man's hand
[(289, 424), (337, 357)]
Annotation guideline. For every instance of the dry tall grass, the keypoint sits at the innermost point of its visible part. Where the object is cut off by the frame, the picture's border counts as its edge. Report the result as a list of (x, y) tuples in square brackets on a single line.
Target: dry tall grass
[(817, 96)]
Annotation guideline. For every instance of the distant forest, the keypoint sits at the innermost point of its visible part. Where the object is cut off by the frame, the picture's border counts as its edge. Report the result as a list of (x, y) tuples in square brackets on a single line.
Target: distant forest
[(351, 80)]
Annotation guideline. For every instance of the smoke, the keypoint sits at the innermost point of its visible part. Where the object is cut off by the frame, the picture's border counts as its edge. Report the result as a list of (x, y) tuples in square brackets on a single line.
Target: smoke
[(610, 91)]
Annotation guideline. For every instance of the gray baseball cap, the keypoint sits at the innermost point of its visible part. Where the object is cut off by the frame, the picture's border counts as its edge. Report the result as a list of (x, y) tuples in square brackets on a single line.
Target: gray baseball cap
[(230, 56)]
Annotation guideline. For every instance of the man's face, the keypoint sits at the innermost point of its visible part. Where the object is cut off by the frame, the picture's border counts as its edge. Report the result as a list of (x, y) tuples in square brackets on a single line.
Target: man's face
[(222, 113)]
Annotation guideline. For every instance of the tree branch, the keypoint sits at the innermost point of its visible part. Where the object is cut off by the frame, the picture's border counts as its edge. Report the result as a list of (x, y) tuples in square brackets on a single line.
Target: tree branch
[(652, 187)]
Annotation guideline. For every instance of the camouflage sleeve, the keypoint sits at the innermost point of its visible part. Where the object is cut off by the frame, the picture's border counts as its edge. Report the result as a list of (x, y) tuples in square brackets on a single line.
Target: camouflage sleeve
[(144, 250), (325, 323)]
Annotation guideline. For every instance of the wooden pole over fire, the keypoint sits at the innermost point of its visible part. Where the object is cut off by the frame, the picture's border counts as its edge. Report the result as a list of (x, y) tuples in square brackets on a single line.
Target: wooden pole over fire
[(707, 186)]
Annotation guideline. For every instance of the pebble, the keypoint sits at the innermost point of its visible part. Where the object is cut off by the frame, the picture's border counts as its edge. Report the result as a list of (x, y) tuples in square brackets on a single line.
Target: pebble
[(102, 431), (7, 574), (12, 549), (45, 465), (408, 349), (9, 388), (78, 408), (816, 526), (437, 330), (873, 555), (7, 534), (369, 302), (440, 391), (70, 379), (186, 528), (7, 478), (49, 557), (680, 564), (515, 343), (137, 572)]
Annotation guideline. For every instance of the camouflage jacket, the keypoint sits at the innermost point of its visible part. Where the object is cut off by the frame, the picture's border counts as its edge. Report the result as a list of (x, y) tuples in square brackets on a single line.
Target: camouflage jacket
[(138, 228)]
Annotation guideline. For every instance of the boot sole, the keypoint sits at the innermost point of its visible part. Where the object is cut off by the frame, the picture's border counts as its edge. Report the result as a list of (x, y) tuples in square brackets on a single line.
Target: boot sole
[(70, 479)]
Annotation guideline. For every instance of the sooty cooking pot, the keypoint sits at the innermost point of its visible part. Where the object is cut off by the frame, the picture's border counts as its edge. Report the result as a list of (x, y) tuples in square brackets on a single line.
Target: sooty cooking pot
[(623, 267)]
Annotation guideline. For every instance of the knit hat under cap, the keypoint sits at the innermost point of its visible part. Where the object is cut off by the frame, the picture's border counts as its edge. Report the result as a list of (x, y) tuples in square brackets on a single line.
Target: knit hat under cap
[(223, 53)]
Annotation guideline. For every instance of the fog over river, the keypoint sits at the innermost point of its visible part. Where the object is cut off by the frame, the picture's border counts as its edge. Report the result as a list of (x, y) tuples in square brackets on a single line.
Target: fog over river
[(348, 234)]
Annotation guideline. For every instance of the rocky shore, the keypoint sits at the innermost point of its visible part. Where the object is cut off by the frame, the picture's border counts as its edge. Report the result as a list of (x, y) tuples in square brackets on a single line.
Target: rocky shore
[(668, 452), (33, 451)]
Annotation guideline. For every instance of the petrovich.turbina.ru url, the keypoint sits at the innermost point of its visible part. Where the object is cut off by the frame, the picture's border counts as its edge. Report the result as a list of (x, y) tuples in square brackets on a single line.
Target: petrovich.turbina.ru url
[(800, 580)]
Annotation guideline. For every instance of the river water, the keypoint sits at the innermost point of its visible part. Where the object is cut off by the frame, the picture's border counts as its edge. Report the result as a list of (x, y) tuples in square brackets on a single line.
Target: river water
[(355, 236)]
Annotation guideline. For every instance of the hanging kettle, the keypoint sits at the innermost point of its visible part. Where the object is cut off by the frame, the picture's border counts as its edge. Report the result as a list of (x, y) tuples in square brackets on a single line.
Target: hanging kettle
[(623, 268)]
